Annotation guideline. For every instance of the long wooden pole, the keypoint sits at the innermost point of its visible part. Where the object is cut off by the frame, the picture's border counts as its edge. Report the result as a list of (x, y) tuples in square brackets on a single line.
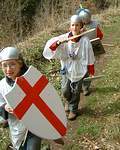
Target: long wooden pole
[(83, 33)]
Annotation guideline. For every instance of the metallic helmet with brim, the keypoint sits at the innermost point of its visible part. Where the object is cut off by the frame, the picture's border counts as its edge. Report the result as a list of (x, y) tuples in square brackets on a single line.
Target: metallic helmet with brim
[(79, 10), (9, 53), (85, 15), (75, 19)]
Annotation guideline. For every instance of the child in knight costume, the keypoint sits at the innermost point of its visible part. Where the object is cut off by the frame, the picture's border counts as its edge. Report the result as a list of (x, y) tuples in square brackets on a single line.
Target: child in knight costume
[(77, 59), (89, 23), (98, 49), (13, 66)]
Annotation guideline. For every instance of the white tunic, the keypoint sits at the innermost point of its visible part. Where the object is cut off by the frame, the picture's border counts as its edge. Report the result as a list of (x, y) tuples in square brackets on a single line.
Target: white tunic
[(17, 129), (84, 56)]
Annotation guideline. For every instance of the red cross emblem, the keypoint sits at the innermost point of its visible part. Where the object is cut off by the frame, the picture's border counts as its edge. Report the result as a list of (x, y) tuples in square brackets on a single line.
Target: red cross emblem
[(32, 97)]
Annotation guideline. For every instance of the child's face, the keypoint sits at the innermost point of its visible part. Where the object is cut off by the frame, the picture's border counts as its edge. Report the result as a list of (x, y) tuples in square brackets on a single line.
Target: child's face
[(11, 68), (75, 28)]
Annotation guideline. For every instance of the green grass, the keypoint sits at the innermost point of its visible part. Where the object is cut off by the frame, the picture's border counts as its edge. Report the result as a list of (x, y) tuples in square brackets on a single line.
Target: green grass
[(100, 117), (1, 74), (89, 127), (4, 138)]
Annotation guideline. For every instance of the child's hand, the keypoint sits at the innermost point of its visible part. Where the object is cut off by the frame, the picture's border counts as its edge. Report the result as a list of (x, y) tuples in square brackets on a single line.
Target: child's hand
[(61, 41), (8, 109), (92, 76)]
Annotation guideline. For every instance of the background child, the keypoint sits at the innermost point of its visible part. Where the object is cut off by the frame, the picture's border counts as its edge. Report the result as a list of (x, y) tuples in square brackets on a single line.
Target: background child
[(77, 59), (89, 23)]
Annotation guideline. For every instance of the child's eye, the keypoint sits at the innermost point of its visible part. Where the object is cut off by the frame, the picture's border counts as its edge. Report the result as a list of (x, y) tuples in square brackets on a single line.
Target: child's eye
[(12, 65)]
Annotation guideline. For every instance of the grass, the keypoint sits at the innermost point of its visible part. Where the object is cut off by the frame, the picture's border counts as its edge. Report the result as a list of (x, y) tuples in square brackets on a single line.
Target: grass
[(89, 127), (100, 118), (4, 140), (105, 101)]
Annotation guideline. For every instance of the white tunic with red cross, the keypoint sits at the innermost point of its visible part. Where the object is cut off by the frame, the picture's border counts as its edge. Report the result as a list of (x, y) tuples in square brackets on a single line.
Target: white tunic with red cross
[(17, 129), (76, 57)]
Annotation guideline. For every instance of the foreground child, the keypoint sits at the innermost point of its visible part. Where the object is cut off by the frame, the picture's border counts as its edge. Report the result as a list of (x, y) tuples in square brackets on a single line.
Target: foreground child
[(13, 66)]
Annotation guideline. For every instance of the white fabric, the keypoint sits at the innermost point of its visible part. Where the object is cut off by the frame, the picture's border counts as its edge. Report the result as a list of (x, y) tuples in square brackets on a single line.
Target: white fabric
[(2, 120), (76, 68), (17, 129)]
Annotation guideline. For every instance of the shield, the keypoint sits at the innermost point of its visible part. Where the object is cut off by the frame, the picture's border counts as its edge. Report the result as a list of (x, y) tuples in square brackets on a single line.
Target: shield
[(98, 48), (37, 104)]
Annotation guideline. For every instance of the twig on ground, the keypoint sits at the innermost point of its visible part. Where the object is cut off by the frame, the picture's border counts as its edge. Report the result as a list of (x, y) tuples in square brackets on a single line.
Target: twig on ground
[(93, 144)]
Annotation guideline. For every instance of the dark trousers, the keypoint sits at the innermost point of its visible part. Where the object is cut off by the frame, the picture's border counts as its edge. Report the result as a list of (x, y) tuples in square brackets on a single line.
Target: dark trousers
[(86, 84), (71, 92), (32, 142)]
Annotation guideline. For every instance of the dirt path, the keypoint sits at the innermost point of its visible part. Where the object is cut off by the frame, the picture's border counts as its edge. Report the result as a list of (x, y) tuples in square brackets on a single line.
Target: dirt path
[(71, 138)]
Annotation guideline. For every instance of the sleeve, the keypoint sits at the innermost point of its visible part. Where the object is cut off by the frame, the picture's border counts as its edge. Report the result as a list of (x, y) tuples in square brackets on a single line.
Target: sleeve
[(91, 57), (99, 33), (52, 50), (91, 69), (2, 101), (3, 113), (54, 46)]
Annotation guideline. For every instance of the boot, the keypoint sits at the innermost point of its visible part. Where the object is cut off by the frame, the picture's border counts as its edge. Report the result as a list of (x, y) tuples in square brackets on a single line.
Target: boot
[(72, 116), (86, 92), (9, 147), (59, 141), (5, 124), (66, 107)]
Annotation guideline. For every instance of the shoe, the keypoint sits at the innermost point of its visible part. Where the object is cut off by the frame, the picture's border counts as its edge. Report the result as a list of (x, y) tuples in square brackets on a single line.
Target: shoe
[(66, 107), (5, 124), (9, 147), (59, 141), (72, 116), (86, 92)]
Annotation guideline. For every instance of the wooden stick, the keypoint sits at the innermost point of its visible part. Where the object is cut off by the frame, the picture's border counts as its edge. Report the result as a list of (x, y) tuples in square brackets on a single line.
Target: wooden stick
[(76, 36), (94, 39), (110, 45), (93, 77), (104, 44)]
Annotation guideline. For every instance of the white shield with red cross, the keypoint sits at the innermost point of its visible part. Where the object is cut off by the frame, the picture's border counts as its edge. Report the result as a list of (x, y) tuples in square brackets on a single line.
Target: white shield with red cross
[(37, 104)]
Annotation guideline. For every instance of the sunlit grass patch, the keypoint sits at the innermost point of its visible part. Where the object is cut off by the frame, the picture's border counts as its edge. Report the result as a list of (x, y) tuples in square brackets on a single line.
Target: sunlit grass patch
[(112, 128), (89, 127), (4, 138)]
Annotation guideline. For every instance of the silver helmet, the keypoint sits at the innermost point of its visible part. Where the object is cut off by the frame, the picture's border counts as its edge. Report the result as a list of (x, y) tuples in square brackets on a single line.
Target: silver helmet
[(75, 19), (85, 15), (9, 53), (79, 10)]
